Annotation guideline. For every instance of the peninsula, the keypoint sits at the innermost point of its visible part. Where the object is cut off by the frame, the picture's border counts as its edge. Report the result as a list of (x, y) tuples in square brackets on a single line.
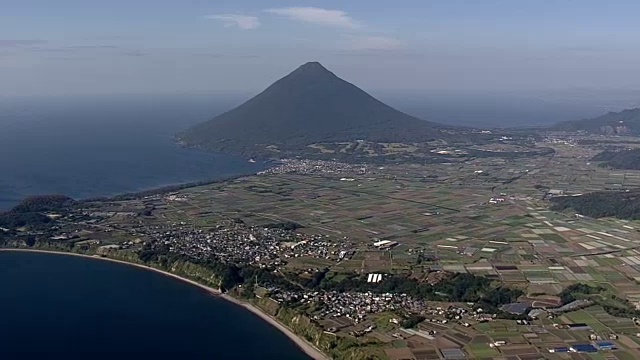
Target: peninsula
[(376, 235), (363, 262)]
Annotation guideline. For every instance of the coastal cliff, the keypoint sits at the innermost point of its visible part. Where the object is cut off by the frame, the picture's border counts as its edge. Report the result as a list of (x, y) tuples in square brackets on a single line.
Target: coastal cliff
[(335, 346), (332, 345)]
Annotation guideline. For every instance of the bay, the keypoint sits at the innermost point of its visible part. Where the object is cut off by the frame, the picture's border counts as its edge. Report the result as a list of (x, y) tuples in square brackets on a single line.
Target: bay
[(88, 146), (64, 307)]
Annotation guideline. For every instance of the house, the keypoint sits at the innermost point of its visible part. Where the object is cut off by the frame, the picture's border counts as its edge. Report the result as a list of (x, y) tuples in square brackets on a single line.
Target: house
[(385, 244), (381, 243)]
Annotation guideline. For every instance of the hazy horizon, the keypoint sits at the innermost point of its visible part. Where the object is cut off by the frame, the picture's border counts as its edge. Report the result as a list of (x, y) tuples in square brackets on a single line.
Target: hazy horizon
[(468, 108), (123, 47)]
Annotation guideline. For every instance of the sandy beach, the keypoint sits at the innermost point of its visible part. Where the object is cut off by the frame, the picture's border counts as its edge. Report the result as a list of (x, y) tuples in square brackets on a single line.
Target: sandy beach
[(307, 347)]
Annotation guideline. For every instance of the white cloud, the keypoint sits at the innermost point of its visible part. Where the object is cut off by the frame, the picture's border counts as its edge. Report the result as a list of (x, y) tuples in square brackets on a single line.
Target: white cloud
[(242, 21), (334, 18), (373, 43)]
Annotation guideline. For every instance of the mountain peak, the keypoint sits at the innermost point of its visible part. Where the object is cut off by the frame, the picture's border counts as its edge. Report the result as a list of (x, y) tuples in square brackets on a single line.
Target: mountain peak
[(313, 65), (310, 105), (314, 68)]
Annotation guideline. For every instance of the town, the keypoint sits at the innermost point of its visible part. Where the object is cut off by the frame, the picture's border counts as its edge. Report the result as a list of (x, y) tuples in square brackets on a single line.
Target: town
[(329, 239)]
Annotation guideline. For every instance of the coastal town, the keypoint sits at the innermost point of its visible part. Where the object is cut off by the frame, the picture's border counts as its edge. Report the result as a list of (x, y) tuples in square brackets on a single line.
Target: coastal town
[(235, 242), (450, 260)]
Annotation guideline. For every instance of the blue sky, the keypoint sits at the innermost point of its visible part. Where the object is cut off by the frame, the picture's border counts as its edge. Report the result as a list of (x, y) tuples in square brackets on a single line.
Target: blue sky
[(146, 46)]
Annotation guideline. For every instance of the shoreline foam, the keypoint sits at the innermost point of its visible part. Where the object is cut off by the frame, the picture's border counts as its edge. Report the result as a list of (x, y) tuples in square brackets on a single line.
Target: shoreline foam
[(304, 345)]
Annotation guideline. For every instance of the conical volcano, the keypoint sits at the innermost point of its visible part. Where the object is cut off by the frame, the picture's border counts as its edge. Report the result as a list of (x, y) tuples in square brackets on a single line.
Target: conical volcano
[(310, 105)]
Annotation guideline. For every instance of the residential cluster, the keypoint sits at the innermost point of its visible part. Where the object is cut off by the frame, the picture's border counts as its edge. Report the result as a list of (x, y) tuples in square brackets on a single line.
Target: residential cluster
[(237, 242), (352, 305), (313, 166), (358, 306)]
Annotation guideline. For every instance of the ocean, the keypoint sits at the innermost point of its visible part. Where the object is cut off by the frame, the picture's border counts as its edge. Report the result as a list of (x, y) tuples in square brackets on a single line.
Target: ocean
[(88, 146), (66, 307)]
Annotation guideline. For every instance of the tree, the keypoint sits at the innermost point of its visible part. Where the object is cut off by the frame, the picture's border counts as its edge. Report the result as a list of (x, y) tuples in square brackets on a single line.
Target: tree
[(30, 240), (412, 321)]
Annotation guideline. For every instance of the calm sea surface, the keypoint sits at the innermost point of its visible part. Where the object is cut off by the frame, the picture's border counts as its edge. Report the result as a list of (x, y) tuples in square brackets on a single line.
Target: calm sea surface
[(64, 307), (97, 146)]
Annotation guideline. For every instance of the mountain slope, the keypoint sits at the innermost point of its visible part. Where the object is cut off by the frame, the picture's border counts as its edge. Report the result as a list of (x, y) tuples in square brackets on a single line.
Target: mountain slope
[(626, 122), (619, 204), (628, 159), (309, 105)]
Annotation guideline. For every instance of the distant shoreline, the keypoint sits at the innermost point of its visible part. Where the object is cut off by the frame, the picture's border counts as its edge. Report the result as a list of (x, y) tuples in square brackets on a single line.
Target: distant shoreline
[(305, 346), (160, 189)]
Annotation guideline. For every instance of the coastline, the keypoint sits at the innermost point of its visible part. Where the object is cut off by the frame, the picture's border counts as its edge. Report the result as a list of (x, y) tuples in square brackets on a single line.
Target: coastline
[(304, 345)]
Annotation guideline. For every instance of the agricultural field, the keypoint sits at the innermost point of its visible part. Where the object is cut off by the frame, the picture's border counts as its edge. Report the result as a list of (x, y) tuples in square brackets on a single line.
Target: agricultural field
[(445, 211), (488, 216)]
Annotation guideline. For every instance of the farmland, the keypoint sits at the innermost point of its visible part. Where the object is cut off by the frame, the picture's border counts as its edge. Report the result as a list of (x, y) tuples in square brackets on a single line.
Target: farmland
[(485, 216)]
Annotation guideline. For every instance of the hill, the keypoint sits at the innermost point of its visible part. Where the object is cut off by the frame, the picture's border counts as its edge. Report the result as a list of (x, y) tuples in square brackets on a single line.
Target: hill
[(32, 211), (310, 105), (628, 159), (622, 205), (626, 122)]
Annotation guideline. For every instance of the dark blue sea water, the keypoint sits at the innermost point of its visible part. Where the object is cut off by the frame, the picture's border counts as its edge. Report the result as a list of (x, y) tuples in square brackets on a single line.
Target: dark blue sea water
[(98, 145), (65, 307)]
